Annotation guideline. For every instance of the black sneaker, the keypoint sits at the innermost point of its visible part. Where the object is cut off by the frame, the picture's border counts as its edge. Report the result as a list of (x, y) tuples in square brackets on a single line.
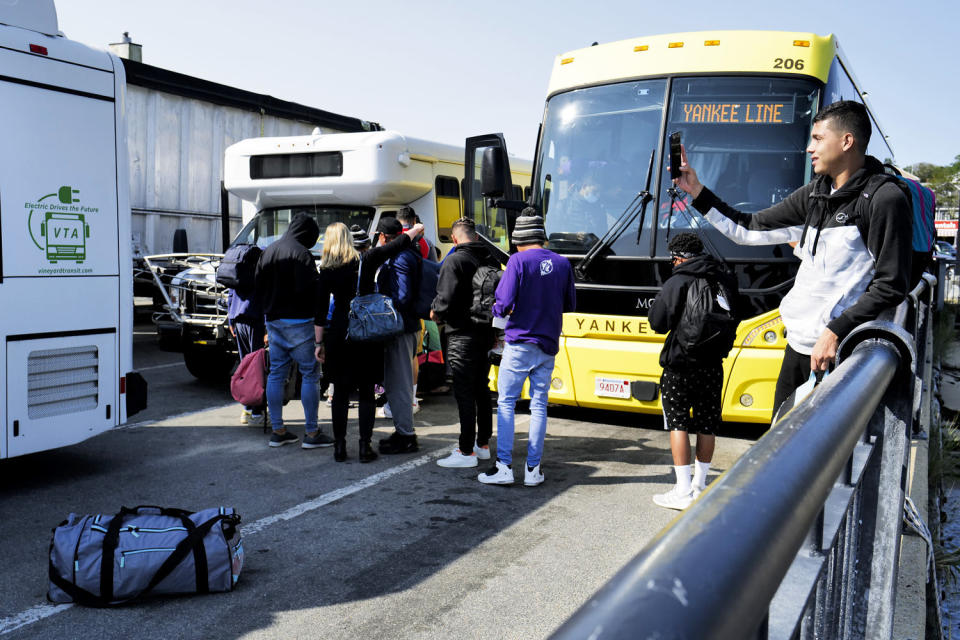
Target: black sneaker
[(317, 440), (280, 439), (399, 443)]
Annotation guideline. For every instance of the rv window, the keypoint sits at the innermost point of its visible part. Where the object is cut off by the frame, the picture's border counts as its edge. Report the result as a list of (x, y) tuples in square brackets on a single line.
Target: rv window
[(296, 165), (448, 205), (270, 224)]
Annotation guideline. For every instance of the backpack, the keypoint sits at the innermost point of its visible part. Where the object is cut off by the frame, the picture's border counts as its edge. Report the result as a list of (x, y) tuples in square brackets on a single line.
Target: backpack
[(238, 267), (485, 282), (426, 288), (924, 204), (99, 561), (708, 326), (249, 382), (862, 207)]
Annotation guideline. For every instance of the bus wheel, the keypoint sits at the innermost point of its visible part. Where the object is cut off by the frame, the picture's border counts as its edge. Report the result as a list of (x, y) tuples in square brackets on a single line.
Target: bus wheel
[(209, 366)]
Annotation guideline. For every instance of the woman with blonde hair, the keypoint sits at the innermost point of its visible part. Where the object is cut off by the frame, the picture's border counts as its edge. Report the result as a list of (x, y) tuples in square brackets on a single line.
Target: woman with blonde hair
[(351, 365)]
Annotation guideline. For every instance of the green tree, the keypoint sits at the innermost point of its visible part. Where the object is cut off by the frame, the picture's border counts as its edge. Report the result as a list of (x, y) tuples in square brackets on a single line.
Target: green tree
[(943, 180)]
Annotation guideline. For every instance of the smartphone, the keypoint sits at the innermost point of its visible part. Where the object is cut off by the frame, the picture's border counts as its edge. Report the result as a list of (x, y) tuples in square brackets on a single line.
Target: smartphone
[(675, 155)]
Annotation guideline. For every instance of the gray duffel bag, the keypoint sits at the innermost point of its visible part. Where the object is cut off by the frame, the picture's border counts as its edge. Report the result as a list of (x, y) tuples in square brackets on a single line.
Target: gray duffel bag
[(99, 560)]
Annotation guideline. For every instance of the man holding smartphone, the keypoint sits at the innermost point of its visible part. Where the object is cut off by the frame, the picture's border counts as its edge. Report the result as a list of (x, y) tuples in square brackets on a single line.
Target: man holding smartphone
[(852, 226)]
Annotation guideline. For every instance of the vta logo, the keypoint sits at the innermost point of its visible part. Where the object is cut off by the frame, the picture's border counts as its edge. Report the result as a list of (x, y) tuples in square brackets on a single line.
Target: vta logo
[(546, 267)]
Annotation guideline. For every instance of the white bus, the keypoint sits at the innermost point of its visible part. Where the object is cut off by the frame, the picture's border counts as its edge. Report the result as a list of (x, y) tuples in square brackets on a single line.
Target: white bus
[(354, 178), (65, 283)]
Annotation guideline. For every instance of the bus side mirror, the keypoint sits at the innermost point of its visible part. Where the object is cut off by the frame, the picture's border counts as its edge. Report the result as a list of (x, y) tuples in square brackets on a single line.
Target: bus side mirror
[(492, 174)]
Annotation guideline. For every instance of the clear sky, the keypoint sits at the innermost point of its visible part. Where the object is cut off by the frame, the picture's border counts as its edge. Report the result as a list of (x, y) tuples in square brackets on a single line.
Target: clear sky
[(447, 70)]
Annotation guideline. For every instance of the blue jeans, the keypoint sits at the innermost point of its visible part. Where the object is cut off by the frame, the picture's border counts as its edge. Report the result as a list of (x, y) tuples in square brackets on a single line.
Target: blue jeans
[(519, 362), (292, 343)]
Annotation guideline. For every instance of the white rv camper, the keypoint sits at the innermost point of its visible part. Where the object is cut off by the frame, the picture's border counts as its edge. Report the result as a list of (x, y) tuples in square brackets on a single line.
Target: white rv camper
[(65, 283), (354, 178)]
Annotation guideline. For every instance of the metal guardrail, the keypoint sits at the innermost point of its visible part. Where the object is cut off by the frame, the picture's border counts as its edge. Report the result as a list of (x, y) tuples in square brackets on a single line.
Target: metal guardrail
[(799, 538)]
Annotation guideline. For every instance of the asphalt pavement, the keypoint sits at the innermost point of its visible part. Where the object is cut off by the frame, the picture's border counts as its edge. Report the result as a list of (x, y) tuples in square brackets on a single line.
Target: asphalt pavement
[(399, 548)]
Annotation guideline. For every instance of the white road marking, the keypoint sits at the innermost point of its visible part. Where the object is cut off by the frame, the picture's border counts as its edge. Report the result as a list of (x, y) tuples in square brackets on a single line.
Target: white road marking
[(333, 496), (31, 615), (161, 366), (39, 612)]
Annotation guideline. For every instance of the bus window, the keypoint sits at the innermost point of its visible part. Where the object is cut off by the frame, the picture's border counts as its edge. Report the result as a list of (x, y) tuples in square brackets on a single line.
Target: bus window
[(448, 205), (593, 155), (491, 222), (747, 139), (840, 87), (270, 224)]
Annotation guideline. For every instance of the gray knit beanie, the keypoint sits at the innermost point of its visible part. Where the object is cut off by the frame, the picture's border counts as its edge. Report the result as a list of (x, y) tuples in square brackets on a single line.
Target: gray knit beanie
[(360, 237), (529, 228)]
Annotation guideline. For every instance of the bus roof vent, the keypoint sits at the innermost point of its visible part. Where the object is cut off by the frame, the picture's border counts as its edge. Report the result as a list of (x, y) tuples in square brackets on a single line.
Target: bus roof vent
[(35, 15)]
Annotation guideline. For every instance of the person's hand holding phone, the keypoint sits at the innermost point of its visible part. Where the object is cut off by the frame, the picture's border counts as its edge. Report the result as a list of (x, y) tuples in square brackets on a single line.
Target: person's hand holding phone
[(688, 180)]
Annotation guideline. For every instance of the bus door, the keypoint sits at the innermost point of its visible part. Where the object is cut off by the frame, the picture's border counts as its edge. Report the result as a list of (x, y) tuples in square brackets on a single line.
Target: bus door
[(59, 253)]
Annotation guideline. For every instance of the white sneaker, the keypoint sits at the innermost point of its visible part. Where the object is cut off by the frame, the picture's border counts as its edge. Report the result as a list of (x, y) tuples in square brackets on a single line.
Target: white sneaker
[(697, 491), (483, 453), (673, 499), (245, 416), (458, 460), (532, 476), (255, 420), (416, 408), (384, 411), (499, 473)]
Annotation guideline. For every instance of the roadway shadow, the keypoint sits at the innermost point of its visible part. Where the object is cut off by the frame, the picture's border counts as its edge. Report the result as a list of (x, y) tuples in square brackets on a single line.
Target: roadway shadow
[(389, 538)]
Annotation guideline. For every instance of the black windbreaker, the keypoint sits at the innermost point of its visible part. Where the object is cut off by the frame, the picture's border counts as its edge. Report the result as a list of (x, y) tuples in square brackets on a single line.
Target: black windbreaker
[(667, 308), (455, 286), (286, 280)]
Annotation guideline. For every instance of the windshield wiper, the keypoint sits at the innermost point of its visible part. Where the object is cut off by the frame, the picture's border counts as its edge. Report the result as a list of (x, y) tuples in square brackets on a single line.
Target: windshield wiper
[(637, 206)]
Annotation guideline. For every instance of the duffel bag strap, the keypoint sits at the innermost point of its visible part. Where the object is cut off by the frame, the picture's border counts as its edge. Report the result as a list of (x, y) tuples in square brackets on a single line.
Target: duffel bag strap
[(111, 540), (193, 541), (78, 594), (199, 553)]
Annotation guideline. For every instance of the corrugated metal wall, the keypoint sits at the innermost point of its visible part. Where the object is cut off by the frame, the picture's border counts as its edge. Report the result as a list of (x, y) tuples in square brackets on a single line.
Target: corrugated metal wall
[(176, 147)]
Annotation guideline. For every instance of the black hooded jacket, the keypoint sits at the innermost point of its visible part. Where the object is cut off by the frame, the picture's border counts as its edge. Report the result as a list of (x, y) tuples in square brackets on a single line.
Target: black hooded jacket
[(455, 286), (286, 280), (667, 309)]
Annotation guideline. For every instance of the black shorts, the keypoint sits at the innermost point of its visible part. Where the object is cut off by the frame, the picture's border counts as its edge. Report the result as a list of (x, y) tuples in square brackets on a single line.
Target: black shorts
[(691, 399)]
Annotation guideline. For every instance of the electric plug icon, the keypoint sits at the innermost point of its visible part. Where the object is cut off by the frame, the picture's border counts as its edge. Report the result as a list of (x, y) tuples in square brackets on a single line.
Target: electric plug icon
[(66, 195)]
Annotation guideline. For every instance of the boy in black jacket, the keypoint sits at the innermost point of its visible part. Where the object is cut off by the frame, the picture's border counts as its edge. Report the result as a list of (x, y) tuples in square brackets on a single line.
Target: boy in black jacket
[(467, 344), (692, 380)]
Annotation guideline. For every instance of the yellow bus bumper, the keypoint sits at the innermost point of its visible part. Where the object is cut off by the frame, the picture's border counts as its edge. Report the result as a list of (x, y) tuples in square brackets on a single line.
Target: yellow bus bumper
[(749, 372)]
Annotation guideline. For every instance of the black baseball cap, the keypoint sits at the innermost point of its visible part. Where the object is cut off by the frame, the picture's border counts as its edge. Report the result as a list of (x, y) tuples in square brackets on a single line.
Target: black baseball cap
[(389, 226)]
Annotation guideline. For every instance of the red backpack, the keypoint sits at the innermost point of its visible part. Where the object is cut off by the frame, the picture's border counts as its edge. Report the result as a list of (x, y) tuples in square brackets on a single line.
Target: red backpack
[(249, 382)]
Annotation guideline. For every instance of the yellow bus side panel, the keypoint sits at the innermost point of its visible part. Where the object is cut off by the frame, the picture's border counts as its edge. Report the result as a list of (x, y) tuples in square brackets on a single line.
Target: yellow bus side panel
[(754, 373)]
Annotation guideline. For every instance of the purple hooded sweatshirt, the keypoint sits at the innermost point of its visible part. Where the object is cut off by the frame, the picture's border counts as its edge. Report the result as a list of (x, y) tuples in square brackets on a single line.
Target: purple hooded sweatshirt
[(536, 289)]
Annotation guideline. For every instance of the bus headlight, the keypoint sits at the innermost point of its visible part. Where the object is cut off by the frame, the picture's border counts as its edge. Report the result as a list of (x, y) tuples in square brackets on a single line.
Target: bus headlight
[(746, 399), (769, 337), (556, 384)]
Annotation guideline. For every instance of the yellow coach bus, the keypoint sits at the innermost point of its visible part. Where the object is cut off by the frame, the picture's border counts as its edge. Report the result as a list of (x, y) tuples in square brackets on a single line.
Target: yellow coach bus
[(744, 102)]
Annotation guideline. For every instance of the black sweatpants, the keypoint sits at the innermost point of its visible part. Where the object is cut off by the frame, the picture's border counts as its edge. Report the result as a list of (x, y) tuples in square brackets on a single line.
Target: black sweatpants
[(467, 354), (794, 371)]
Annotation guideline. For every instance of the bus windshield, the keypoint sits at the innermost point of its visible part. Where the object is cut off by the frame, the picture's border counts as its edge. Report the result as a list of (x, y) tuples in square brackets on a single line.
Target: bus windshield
[(745, 136), (269, 224)]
